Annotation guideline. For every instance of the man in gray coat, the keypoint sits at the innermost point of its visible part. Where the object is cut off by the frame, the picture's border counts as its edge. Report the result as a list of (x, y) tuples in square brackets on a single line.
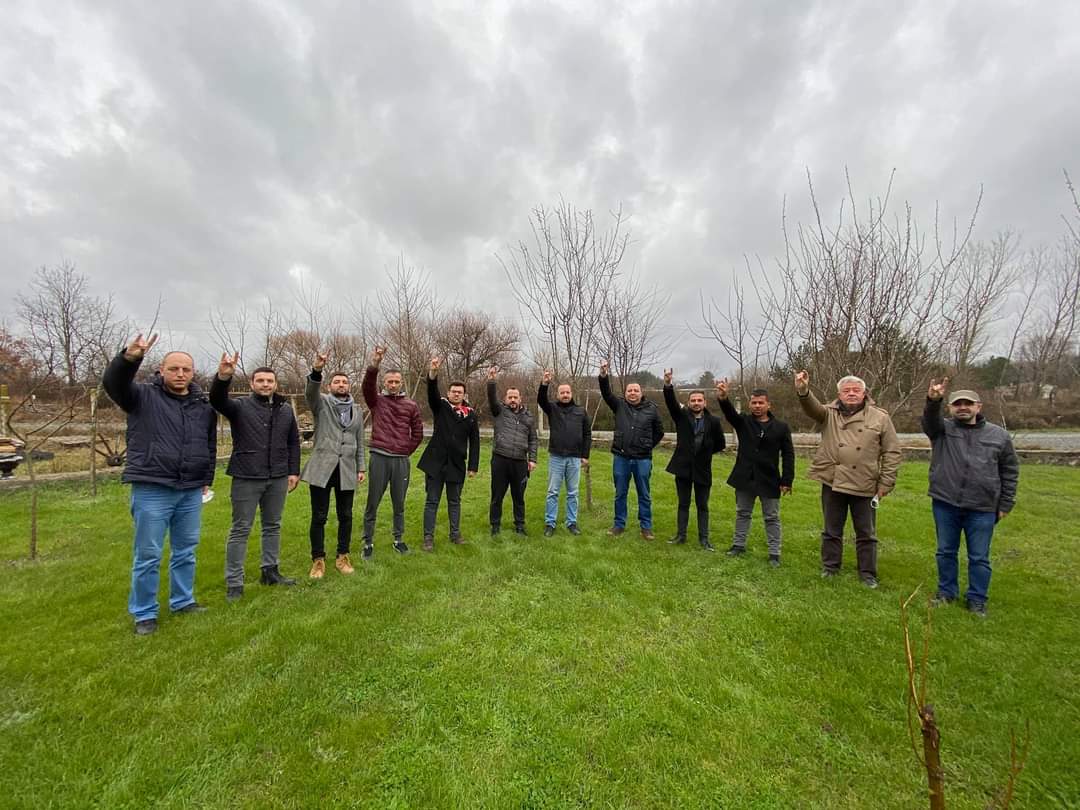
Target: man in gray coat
[(336, 463), (513, 453), (973, 478)]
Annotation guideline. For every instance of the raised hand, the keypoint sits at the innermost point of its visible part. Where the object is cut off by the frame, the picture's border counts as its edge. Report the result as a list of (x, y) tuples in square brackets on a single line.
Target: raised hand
[(320, 360), (493, 372), (433, 369), (937, 389), (227, 366), (546, 379), (377, 355), (604, 368), (668, 373), (722, 388), (137, 349), (802, 382)]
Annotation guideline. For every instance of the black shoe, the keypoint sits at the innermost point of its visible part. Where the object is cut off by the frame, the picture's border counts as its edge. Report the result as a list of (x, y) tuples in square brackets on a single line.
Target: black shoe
[(234, 592), (193, 607), (828, 573), (941, 599), (706, 545), (495, 530), (521, 530), (774, 560), (736, 551), (146, 627), (271, 576), (573, 529), (367, 552), (677, 540), (977, 608), (400, 547), (870, 581), (549, 530), (615, 531)]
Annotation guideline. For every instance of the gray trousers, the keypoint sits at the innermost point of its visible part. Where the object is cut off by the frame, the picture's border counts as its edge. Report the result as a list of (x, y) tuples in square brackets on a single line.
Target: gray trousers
[(744, 510), (383, 471), (248, 494)]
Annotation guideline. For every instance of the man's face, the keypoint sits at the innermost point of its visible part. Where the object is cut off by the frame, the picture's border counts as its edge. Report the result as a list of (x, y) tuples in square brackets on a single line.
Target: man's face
[(851, 393), (759, 406), (264, 383), (392, 382), (633, 393), (964, 410), (177, 369), (512, 399), (565, 393), (696, 403), (456, 394), (339, 385)]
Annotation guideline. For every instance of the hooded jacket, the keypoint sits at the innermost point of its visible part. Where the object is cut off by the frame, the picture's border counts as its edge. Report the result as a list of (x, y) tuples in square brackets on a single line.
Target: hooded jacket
[(456, 433), (265, 437), (171, 440), (569, 433), (763, 446), (691, 460), (396, 425), (638, 428)]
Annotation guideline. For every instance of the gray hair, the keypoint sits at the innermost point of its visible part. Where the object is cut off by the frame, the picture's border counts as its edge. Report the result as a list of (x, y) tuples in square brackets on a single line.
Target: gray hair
[(850, 378)]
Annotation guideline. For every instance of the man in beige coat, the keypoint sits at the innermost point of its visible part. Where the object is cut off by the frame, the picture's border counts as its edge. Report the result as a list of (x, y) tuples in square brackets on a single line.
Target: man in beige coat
[(856, 463)]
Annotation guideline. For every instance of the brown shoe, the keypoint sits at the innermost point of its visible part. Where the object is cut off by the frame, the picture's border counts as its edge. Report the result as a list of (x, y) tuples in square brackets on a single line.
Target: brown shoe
[(615, 531), (343, 564), (318, 568), (457, 539), (429, 543), (647, 534)]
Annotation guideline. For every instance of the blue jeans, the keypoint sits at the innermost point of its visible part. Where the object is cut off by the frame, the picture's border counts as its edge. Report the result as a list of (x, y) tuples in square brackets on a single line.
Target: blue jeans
[(568, 469), (623, 469), (978, 529), (157, 509)]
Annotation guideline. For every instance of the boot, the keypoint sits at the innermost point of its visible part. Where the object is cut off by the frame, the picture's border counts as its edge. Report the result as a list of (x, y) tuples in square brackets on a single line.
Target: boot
[(271, 576)]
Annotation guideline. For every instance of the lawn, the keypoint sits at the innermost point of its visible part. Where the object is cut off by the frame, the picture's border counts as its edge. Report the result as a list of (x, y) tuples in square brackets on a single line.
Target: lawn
[(535, 672)]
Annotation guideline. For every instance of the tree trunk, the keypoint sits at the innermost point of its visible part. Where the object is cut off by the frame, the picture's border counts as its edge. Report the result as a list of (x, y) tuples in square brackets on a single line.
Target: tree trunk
[(93, 442), (935, 778)]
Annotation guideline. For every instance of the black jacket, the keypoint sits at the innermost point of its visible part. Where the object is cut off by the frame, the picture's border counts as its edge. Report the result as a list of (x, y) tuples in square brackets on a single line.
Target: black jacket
[(171, 440), (265, 438), (454, 435), (638, 428), (569, 433), (691, 460), (515, 431), (762, 445), (972, 466)]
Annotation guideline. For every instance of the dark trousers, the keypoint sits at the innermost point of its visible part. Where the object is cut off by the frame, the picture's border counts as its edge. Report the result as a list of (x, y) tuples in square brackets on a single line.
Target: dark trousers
[(383, 472), (834, 508), (434, 487), (512, 473), (684, 486), (320, 509)]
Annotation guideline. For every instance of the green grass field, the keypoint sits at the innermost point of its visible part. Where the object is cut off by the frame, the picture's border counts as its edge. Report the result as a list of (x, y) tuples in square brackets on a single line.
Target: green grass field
[(561, 672)]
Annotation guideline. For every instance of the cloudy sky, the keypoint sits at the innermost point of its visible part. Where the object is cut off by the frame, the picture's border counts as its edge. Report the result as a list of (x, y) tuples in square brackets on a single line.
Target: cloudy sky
[(214, 152)]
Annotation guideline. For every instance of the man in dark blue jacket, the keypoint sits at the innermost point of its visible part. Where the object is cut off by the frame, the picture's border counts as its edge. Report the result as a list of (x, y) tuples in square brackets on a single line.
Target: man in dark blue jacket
[(569, 444), (973, 478), (171, 447), (638, 430), (264, 465)]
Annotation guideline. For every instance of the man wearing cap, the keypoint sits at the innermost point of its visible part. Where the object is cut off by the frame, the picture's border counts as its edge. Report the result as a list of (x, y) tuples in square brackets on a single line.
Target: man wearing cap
[(973, 477)]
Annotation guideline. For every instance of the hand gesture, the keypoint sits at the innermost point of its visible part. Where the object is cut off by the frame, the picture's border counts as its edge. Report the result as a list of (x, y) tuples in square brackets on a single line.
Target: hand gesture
[(433, 370), (320, 360), (377, 355), (137, 349), (227, 366), (802, 382), (293, 481), (603, 368), (722, 388), (493, 372), (937, 389), (546, 379), (667, 376)]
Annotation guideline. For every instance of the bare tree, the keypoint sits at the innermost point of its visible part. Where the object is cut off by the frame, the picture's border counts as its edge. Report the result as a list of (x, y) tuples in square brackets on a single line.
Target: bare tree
[(629, 336), (1052, 339), (471, 341), (406, 311)]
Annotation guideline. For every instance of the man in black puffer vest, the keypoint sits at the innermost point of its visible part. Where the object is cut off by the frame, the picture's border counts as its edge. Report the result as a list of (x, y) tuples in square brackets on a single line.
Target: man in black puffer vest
[(513, 453), (569, 444), (443, 461), (171, 449), (699, 435), (638, 430), (264, 465)]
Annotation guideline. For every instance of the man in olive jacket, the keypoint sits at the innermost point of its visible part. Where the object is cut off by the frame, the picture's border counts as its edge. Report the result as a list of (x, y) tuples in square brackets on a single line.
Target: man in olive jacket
[(513, 452), (764, 441), (973, 478), (264, 465), (638, 430), (699, 435), (336, 463), (171, 455), (856, 463), (569, 445), (443, 460)]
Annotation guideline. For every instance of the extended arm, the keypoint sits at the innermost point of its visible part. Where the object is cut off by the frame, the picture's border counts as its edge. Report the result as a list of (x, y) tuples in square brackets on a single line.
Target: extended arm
[(219, 397), (890, 459), (787, 459), (933, 423), (605, 391), (493, 400), (119, 382), (1009, 470), (812, 408), (673, 406), (474, 445)]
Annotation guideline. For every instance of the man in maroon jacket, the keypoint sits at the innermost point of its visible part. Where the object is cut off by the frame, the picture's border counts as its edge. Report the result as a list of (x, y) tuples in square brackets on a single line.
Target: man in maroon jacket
[(396, 431)]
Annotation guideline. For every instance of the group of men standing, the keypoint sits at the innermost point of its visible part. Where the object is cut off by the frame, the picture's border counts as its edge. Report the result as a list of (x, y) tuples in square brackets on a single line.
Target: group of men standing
[(172, 448)]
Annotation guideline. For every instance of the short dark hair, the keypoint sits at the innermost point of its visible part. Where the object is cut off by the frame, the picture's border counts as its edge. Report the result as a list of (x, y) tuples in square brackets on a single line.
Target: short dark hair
[(392, 371), (339, 374), (458, 383), (760, 392), (263, 370), (510, 388), (696, 391)]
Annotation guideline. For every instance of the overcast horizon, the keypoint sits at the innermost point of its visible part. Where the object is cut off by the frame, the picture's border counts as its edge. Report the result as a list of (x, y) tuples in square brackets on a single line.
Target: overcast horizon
[(219, 153)]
